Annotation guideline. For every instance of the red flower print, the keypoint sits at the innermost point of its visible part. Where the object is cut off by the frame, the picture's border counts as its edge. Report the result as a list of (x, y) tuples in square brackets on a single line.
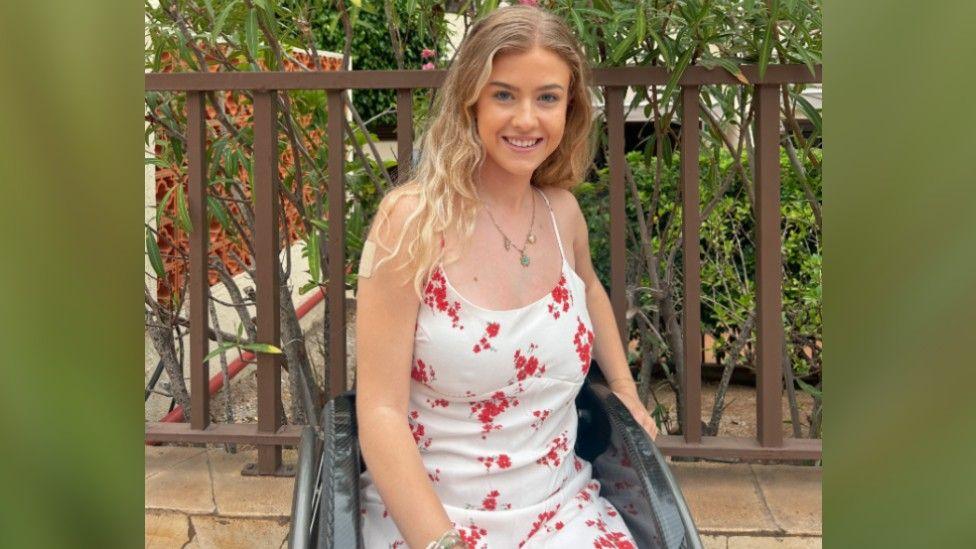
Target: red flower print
[(543, 518), (438, 402), (583, 496), (562, 299), (435, 297), (583, 341), (490, 331), (617, 540), (489, 409), (398, 543), (472, 534), (435, 476), (418, 430), (528, 366), (541, 416), (577, 464), (501, 460), (609, 539), (490, 503), (422, 373), (552, 457)]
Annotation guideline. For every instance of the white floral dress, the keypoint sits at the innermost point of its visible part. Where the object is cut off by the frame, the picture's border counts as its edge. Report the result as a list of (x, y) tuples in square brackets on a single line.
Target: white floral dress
[(492, 410)]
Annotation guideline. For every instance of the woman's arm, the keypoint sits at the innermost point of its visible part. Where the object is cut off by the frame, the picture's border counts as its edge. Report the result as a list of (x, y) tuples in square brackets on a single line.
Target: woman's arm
[(607, 348), (386, 315)]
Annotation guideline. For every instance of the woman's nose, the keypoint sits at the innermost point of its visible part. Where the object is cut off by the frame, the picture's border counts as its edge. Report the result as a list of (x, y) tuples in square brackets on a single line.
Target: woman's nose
[(525, 116)]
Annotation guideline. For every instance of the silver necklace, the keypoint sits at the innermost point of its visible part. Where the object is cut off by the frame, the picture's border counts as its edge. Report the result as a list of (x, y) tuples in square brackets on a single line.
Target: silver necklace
[(507, 242)]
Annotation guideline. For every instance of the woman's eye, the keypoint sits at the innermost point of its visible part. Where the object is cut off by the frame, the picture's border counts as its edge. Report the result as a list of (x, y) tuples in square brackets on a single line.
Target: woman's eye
[(549, 98), (502, 95)]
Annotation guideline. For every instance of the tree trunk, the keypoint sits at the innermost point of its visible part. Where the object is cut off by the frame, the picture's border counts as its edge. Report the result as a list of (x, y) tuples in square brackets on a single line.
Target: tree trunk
[(162, 340)]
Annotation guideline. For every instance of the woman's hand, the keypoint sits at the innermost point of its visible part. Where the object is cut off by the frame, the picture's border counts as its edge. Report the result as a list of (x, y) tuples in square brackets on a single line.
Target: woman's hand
[(629, 397)]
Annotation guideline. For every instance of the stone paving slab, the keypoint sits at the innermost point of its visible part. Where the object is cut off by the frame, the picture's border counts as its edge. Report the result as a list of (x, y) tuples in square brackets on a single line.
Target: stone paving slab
[(161, 458), (723, 498), (165, 530), (753, 542), (714, 542), (211, 531), (179, 482), (793, 495), (242, 496)]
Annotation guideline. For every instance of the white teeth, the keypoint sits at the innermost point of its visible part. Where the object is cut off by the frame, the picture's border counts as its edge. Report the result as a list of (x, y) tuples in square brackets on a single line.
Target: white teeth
[(522, 143)]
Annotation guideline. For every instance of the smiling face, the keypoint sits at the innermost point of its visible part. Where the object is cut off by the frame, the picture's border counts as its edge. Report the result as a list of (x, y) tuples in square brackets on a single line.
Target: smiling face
[(521, 111)]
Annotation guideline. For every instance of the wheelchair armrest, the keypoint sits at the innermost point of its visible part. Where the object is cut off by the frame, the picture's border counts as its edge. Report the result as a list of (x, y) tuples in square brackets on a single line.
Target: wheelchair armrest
[(338, 513), (669, 509)]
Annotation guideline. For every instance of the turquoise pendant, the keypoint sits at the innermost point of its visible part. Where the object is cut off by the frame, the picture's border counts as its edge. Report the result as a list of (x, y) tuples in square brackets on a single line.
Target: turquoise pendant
[(525, 260)]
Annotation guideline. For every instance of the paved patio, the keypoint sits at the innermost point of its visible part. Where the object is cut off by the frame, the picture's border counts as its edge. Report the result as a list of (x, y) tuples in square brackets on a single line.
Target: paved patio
[(196, 497)]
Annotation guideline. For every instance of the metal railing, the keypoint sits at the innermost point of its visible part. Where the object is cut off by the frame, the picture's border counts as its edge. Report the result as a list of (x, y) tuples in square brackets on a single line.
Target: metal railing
[(268, 433)]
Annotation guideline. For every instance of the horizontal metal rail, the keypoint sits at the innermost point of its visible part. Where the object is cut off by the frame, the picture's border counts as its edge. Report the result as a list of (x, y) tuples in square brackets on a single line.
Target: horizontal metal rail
[(413, 79), (223, 433)]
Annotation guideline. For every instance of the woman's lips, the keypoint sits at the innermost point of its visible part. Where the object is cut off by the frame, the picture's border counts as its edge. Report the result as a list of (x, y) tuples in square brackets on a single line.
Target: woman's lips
[(516, 148)]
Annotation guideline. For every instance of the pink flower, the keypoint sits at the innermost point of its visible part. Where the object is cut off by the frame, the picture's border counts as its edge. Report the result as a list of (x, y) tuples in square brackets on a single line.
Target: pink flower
[(427, 53), (428, 66), (529, 2)]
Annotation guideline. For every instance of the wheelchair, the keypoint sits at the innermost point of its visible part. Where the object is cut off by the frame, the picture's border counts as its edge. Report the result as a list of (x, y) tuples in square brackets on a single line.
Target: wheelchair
[(633, 475)]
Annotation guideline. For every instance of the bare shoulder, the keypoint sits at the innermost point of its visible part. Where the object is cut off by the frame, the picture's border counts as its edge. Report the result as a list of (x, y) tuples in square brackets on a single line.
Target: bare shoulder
[(392, 214), (566, 208)]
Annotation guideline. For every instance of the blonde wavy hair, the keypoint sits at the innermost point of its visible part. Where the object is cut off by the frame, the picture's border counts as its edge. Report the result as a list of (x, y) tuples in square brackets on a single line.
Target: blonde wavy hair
[(452, 153)]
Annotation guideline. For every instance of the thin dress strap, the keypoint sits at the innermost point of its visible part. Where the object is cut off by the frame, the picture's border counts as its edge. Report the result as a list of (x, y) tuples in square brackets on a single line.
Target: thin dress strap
[(555, 227)]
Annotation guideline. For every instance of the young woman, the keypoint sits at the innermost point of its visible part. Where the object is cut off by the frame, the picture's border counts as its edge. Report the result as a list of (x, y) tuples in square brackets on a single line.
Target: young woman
[(478, 311)]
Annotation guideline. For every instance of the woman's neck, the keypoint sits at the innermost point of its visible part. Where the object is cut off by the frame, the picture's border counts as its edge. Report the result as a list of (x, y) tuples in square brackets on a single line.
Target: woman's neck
[(503, 192)]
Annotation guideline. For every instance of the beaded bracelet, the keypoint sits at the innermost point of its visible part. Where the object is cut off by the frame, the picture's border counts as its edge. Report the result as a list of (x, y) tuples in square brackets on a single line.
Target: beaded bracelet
[(447, 540)]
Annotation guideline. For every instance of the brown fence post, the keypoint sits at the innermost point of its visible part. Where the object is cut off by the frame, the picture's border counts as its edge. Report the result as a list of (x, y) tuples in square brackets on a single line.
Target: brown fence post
[(336, 292), (690, 224), (265, 189), (199, 287), (769, 327), (404, 133), (614, 105)]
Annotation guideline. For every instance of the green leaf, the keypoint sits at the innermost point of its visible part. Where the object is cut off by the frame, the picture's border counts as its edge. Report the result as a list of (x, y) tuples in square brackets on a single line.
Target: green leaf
[(312, 253), (809, 389), (161, 205), (155, 258), (182, 211), (730, 66), (323, 225), (662, 44), (679, 69), (487, 7), (623, 47), (641, 24), (251, 33), (262, 348), (766, 48), (812, 114), (219, 25), (603, 5), (217, 207), (158, 162)]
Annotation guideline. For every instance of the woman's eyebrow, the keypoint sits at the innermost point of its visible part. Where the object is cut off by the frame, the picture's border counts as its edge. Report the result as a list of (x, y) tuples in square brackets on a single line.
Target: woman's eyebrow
[(511, 87)]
